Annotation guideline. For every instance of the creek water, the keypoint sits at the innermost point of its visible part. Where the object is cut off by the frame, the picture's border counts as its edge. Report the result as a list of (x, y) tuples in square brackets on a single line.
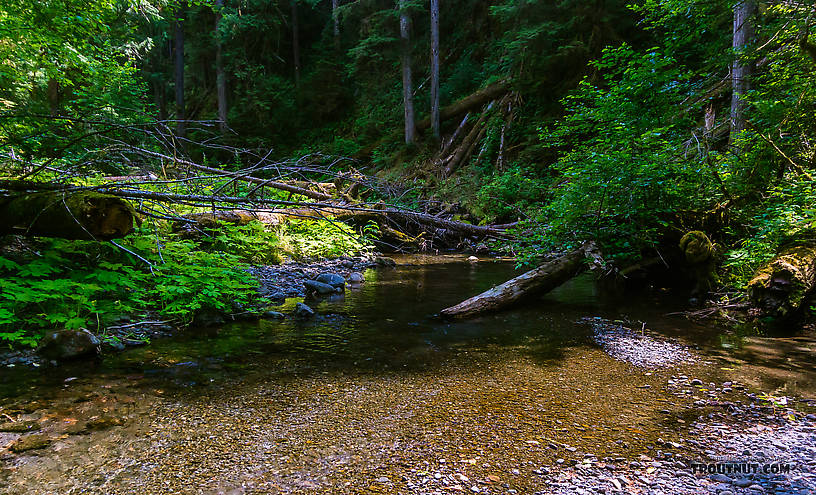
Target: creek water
[(375, 393)]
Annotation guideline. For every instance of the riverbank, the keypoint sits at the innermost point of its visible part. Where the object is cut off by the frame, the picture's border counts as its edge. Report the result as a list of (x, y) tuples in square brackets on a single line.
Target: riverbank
[(276, 283)]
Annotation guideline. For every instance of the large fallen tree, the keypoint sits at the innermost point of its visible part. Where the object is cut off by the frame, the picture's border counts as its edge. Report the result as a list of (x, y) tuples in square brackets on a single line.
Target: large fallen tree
[(469, 103), (394, 224), (780, 286), (86, 215), (535, 282)]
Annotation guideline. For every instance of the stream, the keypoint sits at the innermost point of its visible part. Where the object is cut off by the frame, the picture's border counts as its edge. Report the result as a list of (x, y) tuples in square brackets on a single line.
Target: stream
[(377, 395)]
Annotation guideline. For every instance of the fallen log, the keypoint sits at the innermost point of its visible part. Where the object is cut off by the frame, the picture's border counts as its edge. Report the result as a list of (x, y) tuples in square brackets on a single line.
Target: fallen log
[(386, 219), (780, 286), (244, 176), (468, 103), (535, 282), (83, 215)]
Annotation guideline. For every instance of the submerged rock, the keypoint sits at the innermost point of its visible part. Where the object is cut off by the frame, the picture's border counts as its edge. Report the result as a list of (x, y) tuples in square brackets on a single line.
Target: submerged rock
[(69, 344), (333, 279), (206, 319), (273, 315), (20, 426), (30, 442), (384, 261), (314, 287), (356, 278), (303, 311)]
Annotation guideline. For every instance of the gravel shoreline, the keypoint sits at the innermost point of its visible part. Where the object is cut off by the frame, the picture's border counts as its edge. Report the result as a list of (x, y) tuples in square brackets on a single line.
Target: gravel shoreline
[(739, 443)]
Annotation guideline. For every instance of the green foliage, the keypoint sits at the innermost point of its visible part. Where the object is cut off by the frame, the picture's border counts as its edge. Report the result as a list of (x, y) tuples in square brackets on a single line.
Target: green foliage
[(623, 168), (67, 284), (307, 239)]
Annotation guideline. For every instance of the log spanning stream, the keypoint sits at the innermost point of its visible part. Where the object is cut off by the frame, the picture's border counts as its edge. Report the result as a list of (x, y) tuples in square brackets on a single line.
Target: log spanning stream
[(377, 395)]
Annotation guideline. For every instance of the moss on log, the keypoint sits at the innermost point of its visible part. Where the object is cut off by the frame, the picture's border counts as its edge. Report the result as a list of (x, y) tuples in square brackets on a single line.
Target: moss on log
[(699, 252), (535, 282), (780, 286), (84, 215)]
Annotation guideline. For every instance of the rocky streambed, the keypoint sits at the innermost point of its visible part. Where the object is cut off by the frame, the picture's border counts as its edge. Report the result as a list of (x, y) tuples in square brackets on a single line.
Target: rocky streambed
[(377, 395)]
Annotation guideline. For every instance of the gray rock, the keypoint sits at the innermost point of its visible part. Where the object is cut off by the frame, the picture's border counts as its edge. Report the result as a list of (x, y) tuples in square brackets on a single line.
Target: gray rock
[(315, 287), (742, 482), (68, 344), (356, 278), (303, 311), (332, 279), (720, 477), (273, 315)]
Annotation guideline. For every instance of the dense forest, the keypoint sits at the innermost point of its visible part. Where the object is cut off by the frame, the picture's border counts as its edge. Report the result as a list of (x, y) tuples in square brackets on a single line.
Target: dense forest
[(154, 150)]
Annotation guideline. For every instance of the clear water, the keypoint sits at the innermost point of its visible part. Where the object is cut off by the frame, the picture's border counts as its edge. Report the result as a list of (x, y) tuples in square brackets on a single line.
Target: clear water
[(375, 387)]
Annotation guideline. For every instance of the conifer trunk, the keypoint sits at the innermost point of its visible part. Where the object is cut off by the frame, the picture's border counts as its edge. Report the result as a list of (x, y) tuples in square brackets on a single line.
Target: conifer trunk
[(336, 21), (435, 68), (295, 43), (741, 70), (407, 81), (220, 76), (178, 48)]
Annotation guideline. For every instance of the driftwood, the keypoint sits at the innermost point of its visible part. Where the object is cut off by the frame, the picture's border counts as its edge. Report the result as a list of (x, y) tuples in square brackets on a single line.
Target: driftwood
[(85, 215), (780, 286), (538, 281)]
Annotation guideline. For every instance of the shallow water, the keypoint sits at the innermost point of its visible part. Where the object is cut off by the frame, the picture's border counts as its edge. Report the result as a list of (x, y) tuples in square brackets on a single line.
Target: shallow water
[(373, 391)]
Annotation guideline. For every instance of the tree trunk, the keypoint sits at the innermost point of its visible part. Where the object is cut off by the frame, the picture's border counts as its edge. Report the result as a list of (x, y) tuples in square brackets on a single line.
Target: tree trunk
[(178, 48), (336, 22), (468, 103), (295, 43), (220, 76), (471, 139), (535, 282), (82, 215), (53, 97), (435, 68), (779, 287), (743, 36), (407, 82)]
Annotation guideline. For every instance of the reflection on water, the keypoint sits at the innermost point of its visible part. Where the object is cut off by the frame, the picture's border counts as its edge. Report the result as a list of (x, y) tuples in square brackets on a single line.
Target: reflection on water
[(390, 321)]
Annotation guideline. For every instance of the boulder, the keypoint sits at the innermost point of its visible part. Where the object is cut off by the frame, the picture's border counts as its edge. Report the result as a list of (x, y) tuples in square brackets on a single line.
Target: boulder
[(315, 287), (356, 278), (332, 279), (303, 311), (69, 344)]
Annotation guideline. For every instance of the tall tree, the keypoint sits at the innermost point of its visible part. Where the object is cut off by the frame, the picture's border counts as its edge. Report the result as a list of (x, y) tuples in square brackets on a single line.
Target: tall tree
[(295, 43), (336, 20), (178, 49), (407, 82), (741, 69), (220, 76), (435, 67)]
